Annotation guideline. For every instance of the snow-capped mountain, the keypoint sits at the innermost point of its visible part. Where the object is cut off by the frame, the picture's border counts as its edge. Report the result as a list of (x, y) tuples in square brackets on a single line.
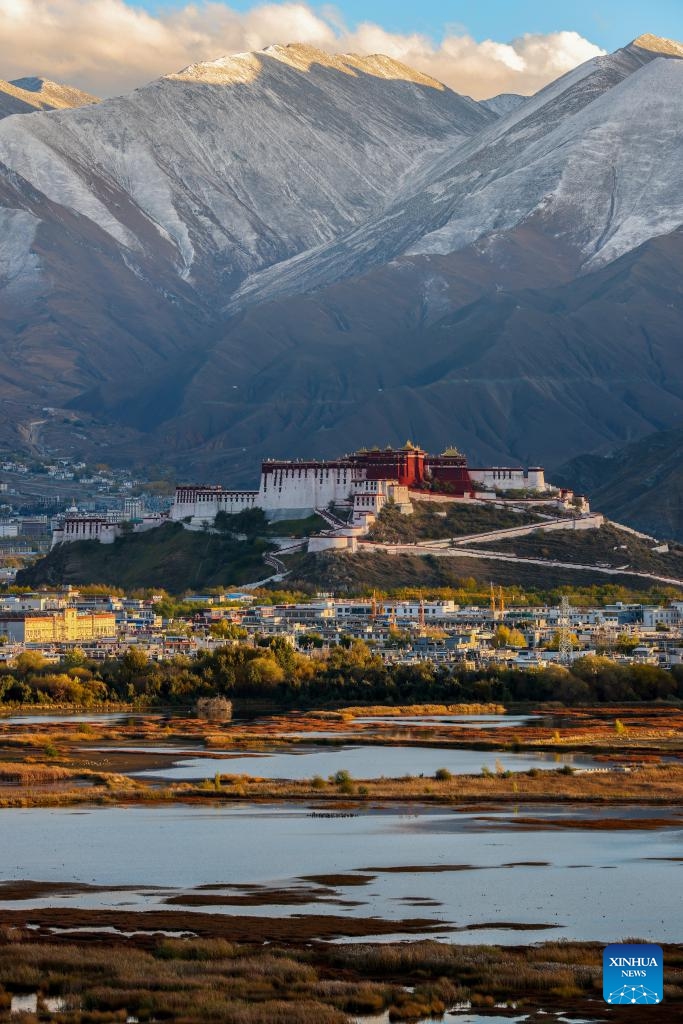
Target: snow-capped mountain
[(23, 95), (594, 158), (505, 103), (290, 251), (236, 164)]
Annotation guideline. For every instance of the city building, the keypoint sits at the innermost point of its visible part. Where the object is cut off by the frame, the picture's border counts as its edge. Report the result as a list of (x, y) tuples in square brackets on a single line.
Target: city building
[(66, 626), (105, 528)]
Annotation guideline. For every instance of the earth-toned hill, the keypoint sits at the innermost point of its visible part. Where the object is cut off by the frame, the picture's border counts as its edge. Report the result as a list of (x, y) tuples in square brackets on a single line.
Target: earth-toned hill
[(170, 557), (179, 559)]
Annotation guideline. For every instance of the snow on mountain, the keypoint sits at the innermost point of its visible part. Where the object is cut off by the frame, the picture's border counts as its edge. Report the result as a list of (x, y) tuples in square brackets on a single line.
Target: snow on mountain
[(610, 176), (241, 162), (504, 103), (595, 155), (656, 44), (23, 95)]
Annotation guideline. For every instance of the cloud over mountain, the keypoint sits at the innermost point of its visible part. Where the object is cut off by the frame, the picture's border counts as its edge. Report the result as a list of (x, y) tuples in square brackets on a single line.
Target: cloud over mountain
[(109, 46)]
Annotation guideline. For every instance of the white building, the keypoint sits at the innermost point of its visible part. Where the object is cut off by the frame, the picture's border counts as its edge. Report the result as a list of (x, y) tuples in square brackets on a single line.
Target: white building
[(76, 527), (506, 478)]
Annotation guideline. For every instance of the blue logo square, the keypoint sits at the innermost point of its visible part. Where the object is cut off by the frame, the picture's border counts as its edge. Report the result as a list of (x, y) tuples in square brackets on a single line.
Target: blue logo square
[(633, 974)]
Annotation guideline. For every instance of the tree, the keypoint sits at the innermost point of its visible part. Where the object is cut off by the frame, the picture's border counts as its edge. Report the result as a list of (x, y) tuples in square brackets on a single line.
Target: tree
[(311, 640), (28, 662), (627, 643), (265, 672), (506, 637), (74, 658), (133, 666), (284, 653), (554, 644), (224, 630)]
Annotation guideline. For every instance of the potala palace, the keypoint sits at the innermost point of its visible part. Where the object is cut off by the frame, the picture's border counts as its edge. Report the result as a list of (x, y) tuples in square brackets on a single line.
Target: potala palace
[(357, 486), (363, 481)]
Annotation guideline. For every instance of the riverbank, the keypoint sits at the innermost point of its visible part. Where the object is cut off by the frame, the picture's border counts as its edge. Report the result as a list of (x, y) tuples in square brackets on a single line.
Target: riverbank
[(45, 786), (244, 898)]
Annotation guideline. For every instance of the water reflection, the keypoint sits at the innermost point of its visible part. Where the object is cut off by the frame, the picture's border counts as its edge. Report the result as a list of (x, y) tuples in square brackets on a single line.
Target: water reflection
[(462, 721), (54, 719), (470, 873), (361, 761)]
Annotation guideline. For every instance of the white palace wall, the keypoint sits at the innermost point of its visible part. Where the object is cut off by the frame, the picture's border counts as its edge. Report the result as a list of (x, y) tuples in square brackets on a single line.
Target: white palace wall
[(294, 492), (287, 491), (202, 504), (503, 478), (291, 490)]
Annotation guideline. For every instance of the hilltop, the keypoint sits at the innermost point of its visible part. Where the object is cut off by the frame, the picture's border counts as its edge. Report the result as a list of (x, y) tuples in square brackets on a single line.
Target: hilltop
[(171, 558), (24, 95), (178, 560)]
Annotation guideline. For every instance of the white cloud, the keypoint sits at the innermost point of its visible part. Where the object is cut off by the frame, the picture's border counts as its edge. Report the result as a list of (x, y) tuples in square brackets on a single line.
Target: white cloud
[(108, 46)]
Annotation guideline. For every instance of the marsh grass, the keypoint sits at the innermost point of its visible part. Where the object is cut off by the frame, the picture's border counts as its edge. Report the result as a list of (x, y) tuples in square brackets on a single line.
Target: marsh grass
[(653, 785), (222, 982)]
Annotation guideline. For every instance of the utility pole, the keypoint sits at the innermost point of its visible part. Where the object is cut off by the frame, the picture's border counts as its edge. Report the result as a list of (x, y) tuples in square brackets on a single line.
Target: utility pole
[(564, 636)]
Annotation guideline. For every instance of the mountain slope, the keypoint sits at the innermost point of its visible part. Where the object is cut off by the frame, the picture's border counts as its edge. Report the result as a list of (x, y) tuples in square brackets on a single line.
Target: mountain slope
[(641, 483), (241, 162), (128, 224), (423, 347), (594, 157), (505, 103)]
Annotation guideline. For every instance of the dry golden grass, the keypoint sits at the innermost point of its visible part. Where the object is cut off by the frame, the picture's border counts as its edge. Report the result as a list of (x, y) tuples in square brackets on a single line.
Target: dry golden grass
[(64, 763), (28, 774), (657, 785), (214, 980), (394, 711)]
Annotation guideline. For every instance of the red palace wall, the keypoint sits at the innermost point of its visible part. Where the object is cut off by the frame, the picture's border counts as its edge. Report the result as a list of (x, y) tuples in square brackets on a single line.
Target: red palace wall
[(405, 465), (411, 466), (451, 471)]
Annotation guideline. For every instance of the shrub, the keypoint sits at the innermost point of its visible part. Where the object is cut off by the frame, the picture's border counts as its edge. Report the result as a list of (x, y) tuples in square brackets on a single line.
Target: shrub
[(214, 709)]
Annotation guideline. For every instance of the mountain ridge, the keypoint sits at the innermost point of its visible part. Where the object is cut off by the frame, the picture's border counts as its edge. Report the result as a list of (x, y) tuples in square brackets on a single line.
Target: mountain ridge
[(25, 95)]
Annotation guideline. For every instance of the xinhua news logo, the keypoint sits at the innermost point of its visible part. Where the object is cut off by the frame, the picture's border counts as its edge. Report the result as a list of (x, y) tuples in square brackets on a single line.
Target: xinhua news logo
[(633, 974)]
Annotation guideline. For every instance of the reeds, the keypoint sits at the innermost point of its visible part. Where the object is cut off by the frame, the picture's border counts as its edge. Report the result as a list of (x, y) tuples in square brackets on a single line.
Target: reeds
[(221, 982)]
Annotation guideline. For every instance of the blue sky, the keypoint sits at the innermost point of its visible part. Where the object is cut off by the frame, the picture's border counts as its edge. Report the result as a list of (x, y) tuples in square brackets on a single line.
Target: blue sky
[(609, 23)]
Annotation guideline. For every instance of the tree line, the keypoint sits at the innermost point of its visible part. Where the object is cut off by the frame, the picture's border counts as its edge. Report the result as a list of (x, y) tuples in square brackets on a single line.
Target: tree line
[(350, 674)]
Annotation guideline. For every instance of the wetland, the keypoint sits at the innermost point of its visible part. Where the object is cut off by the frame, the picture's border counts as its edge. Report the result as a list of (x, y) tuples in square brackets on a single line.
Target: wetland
[(353, 864)]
